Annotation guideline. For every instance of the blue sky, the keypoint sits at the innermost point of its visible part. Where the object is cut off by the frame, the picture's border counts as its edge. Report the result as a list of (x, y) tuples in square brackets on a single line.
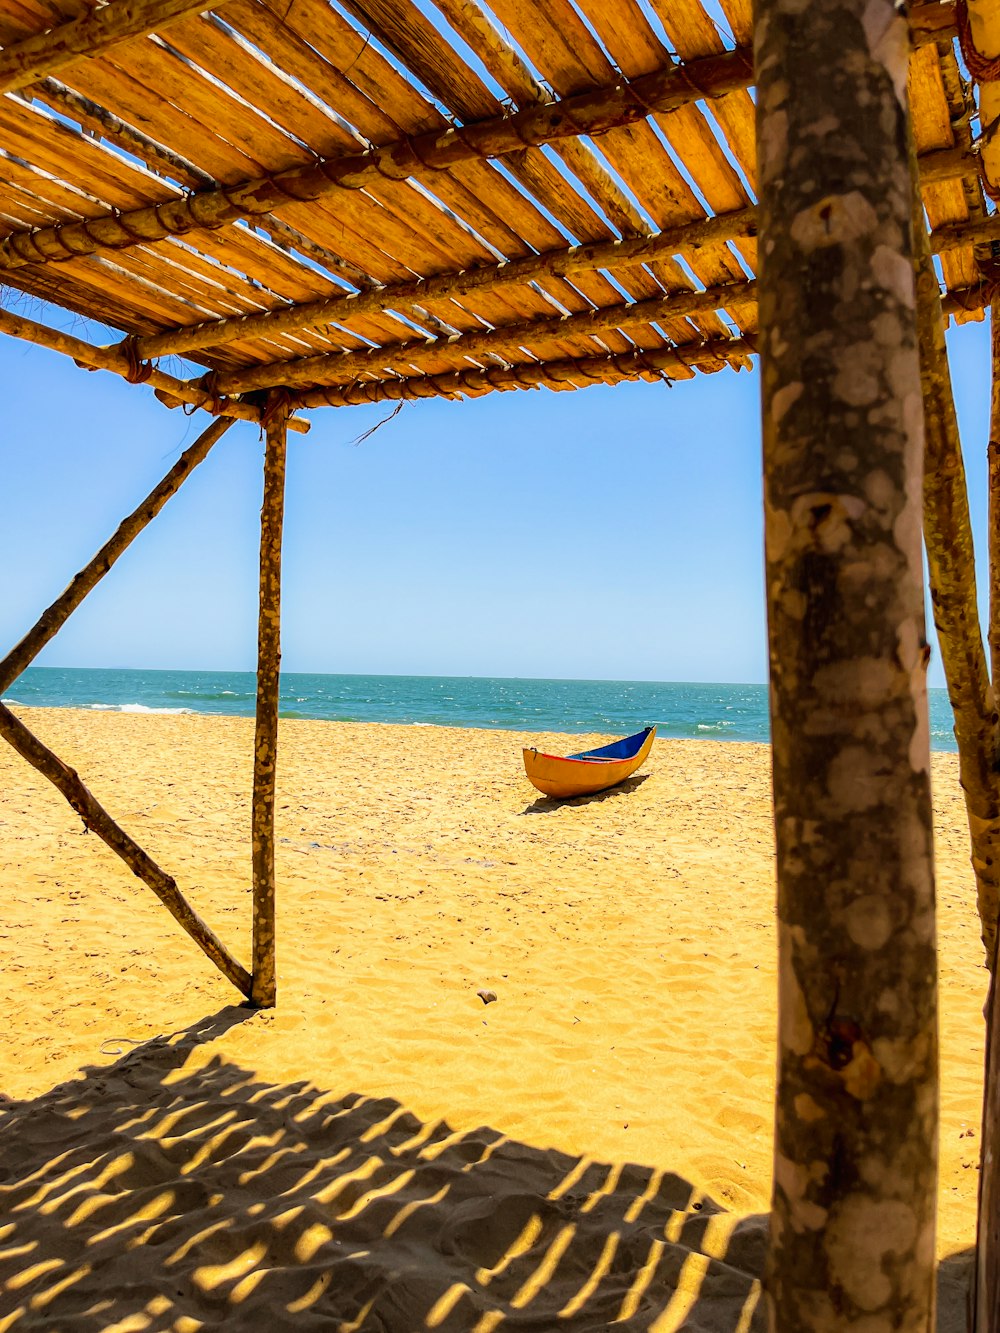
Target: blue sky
[(608, 533)]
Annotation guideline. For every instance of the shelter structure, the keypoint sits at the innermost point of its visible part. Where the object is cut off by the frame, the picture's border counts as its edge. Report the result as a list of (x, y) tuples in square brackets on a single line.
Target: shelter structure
[(309, 203)]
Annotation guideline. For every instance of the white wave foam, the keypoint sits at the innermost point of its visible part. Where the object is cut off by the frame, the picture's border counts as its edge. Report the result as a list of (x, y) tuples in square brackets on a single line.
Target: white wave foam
[(135, 708)]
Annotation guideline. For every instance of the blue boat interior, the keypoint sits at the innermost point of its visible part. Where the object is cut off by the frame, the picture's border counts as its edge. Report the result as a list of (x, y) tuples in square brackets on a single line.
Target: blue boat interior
[(623, 749)]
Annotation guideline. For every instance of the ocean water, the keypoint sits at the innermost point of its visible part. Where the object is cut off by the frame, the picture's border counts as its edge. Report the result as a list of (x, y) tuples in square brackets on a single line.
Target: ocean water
[(711, 712)]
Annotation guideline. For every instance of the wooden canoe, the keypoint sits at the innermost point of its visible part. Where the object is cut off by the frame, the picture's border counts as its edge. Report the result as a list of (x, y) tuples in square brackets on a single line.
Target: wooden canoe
[(591, 770)]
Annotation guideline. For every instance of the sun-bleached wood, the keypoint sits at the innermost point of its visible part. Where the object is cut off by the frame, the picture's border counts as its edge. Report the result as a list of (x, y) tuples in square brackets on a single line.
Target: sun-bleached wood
[(117, 361), (95, 32), (50, 621), (96, 818), (855, 1158), (264, 992)]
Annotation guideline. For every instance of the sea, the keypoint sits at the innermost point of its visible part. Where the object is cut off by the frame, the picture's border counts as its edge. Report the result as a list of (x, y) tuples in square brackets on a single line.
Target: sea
[(708, 712)]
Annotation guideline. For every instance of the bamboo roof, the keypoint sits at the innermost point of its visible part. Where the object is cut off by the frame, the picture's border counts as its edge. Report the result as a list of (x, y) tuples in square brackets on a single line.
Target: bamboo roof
[(357, 200)]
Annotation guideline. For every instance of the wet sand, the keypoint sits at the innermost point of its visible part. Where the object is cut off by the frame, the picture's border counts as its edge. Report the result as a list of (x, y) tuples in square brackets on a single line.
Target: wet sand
[(384, 1150)]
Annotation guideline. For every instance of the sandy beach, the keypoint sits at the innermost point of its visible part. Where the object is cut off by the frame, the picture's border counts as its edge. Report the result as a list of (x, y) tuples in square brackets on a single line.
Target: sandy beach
[(385, 1151)]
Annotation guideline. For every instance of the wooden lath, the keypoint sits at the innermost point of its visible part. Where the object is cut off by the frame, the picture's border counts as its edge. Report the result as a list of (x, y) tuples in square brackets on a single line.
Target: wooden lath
[(588, 114), (96, 32)]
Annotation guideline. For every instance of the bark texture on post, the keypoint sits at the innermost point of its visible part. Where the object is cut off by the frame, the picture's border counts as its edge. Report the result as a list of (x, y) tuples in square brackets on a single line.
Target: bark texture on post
[(264, 992), (853, 1210), (48, 624), (96, 818), (951, 565)]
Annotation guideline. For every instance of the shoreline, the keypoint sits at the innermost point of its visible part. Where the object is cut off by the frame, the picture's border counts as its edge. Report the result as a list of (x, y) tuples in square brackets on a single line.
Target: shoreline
[(629, 938)]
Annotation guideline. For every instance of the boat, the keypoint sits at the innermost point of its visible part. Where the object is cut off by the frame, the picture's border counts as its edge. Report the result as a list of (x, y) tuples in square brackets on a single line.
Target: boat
[(591, 770)]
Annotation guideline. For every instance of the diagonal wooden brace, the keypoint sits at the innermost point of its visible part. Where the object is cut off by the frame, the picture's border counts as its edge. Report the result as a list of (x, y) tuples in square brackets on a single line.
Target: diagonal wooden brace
[(95, 817), (51, 620)]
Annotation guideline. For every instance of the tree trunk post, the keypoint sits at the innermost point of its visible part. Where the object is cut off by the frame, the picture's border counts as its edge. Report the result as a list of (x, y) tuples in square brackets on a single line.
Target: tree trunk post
[(855, 1179), (986, 1287), (951, 566), (264, 992)]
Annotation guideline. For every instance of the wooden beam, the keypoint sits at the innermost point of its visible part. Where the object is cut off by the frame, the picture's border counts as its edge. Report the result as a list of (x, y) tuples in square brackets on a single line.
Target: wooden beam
[(671, 241), (94, 33), (96, 818), (665, 363), (48, 624), (117, 360), (264, 992), (856, 1120), (342, 367)]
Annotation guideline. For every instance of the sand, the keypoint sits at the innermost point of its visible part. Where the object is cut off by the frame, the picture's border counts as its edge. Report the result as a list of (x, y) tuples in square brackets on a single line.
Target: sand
[(385, 1151)]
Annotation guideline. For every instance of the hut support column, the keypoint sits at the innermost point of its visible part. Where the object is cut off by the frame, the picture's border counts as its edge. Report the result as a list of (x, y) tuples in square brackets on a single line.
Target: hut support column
[(951, 567), (264, 990), (986, 1288), (853, 1208)]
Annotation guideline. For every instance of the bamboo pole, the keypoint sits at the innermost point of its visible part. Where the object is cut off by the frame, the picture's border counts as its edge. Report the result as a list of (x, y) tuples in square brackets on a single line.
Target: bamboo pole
[(50, 621), (117, 361), (96, 818), (952, 574), (855, 1178), (264, 993), (669, 363), (93, 34)]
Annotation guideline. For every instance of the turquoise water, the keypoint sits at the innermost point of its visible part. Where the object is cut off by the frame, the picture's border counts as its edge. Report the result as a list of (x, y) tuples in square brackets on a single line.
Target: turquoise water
[(711, 712)]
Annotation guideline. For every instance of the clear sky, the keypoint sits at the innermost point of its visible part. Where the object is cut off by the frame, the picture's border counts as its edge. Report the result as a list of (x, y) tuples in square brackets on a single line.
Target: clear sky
[(607, 533)]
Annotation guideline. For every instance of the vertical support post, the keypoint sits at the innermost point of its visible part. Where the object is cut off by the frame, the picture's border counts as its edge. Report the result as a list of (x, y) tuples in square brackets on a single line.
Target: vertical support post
[(264, 986), (986, 1288), (993, 466), (855, 1159)]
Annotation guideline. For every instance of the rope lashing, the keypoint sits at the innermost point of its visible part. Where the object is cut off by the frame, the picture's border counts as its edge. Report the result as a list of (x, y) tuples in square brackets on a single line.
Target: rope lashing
[(138, 371), (984, 69)]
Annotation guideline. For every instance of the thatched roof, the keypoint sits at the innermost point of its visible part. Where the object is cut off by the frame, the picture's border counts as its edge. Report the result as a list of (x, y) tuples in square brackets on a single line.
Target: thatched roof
[(381, 199)]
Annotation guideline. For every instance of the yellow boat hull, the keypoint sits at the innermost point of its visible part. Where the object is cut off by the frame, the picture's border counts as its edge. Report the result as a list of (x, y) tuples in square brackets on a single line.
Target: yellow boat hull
[(563, 778)]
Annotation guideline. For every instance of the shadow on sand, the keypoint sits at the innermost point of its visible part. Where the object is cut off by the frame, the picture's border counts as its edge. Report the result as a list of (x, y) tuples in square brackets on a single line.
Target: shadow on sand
[(545, 805), (141, 1196)]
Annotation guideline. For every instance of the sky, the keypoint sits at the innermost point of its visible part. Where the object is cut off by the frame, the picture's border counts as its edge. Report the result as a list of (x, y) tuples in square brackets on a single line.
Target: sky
[(607, 533)]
